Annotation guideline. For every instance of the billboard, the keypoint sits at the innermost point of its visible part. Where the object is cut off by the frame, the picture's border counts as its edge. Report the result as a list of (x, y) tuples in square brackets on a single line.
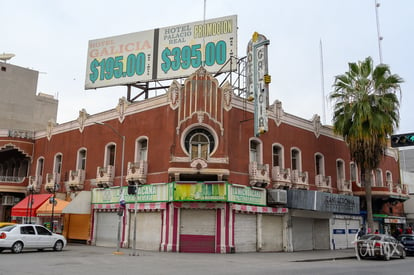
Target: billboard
[(159, 54)]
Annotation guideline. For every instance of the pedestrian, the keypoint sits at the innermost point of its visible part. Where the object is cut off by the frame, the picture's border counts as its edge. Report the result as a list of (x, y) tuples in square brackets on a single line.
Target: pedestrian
[(376, 231), (361, 232), (409, 230)]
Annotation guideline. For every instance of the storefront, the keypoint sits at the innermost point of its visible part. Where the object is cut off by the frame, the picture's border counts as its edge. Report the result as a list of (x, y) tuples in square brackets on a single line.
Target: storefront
[(78, 218), (51, 213), (322, 220)]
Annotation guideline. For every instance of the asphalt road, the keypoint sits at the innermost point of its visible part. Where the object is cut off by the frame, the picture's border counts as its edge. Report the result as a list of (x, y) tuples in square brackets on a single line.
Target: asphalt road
[(85, 260)]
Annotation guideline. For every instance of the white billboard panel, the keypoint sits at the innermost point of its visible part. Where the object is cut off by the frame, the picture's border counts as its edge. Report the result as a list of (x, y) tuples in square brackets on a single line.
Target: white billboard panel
[(165, 53), (120, 59)]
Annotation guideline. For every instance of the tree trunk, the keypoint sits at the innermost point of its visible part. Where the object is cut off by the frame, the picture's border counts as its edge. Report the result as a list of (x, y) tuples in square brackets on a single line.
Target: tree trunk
[(368, 198)]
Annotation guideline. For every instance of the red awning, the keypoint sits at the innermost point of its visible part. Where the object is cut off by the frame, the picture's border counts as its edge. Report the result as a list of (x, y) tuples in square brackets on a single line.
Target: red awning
[(24, 209)]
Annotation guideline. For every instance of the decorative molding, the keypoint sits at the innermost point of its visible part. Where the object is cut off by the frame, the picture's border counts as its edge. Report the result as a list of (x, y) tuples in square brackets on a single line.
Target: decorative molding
[(227, 95), (121, 108), (278, 112), (83, 116), (316, 121), (173, 94), (49, 130)]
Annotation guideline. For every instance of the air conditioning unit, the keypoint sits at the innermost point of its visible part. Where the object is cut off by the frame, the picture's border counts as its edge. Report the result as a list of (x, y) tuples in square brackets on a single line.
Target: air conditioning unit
[(276, 196), (7, 200)]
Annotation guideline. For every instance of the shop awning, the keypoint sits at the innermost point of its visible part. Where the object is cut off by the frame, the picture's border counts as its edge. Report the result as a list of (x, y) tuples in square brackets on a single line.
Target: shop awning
[(29, 205), (81, 204), (46, 208)]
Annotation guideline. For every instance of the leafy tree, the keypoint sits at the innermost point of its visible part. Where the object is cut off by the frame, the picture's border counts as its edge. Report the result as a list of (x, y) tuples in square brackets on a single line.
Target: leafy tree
[(366, 112)]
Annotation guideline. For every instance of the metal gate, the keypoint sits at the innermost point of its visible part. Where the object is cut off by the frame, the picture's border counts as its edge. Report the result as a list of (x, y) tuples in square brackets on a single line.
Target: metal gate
[(197, 230), (148, 230), (106, 229), (245, 233), (272, 227)]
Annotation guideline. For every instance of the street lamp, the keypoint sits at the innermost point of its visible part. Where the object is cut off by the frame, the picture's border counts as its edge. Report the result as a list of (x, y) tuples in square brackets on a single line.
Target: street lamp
[(120, 214)]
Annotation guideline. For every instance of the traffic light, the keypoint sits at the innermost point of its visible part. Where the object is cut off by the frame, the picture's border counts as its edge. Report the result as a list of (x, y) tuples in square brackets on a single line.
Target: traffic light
[(402, 140)]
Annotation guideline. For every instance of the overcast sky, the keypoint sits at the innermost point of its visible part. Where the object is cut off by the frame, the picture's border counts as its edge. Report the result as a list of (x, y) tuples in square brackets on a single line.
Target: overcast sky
[(52, 37)]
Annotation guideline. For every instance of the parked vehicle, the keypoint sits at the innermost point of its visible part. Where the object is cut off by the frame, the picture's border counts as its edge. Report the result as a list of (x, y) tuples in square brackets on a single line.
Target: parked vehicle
[(3, 224), (380, 246), (408, 241), (29, 236)]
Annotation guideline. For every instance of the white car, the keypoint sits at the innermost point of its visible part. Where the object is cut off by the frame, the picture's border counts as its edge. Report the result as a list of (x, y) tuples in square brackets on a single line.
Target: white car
[(29, 236)]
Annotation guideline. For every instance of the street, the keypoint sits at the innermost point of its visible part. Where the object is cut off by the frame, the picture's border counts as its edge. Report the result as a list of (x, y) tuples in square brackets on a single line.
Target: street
[(86, 260)]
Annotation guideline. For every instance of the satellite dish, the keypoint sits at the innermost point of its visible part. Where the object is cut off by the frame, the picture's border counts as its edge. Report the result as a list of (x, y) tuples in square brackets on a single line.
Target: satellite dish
[(6, 56)]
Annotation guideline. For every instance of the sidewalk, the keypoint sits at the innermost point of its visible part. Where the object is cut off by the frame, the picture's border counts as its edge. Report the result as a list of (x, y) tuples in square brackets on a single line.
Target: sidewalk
[(299, 256)]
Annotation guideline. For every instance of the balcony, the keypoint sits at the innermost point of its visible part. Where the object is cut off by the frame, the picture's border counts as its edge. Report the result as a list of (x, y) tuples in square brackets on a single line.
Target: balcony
[(281, 177), (323, 183), (259, 174), (300, 180), (76, 180), (137, 171), (34, 183), (105, 176), (344, 187), (51, 180), (384, 191)]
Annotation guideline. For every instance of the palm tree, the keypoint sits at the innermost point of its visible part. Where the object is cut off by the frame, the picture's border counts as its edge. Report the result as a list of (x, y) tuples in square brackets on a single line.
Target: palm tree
[(366, 112)]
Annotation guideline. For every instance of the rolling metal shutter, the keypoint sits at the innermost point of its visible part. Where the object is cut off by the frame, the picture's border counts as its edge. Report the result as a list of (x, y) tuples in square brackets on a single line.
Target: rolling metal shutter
[(245, 233), (197, 230), (272, 228), (79, 226), (148, 230), (302, 234), (106, 229)]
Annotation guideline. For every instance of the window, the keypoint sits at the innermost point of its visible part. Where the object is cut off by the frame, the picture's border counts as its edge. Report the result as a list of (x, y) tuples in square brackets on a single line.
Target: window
[(354, 172), (27, 230), (278, 156), (295, 158), (199, 143), (378, 178), (142, 147), (319, 164), (255, 151), (39, 167), (81, 161), (42, 231), (389, 177), (199, 146), (58, 164), (340, 170), (110, 155)]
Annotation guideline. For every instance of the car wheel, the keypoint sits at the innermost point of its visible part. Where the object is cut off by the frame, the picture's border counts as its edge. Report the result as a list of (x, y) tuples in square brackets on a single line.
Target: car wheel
[(1, 250), (387, 256), (17, 247), (58, 246), (403, 254)]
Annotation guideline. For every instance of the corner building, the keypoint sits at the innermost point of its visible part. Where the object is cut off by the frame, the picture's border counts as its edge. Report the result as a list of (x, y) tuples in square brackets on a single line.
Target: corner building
[(205, 182)]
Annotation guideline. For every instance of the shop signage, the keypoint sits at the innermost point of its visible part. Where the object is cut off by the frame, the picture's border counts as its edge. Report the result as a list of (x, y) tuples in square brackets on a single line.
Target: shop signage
[(200, 191), (146, 193), (246, 195), (165, 53), (395, 220)]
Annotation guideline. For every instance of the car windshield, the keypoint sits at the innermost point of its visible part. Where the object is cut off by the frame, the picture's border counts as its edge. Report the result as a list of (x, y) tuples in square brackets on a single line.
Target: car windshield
[(407, 238)]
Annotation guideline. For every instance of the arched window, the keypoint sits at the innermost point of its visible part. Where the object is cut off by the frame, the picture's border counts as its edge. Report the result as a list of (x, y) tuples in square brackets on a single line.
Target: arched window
[(81, 160), (388, 177), (255, 151), (354, 173), (39, 166), (319, 164), (378, 178), (142, 149), (199, 143), (278, 156), (296, 159), (58, 164), (110, 154), (340, 170)]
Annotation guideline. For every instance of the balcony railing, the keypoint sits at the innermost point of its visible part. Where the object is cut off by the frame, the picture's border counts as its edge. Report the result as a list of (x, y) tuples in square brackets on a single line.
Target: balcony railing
[(34, 183), (137, 171), (76, 180), (11, 179), (300, 179), (259, 174), (51, 180), (281, 177), (323, 183), (344, 186), (105, 176)]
